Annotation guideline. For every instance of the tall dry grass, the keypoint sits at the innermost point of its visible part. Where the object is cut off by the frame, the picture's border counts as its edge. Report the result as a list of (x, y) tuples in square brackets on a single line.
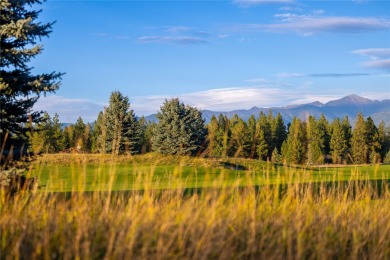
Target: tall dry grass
[(295, 221)]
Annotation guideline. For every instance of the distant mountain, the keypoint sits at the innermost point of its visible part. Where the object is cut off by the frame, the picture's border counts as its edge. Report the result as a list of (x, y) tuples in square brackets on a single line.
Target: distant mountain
[(346, 106)]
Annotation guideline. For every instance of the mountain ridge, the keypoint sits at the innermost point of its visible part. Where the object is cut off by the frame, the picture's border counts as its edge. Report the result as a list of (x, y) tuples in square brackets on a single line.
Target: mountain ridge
[(349, 106)]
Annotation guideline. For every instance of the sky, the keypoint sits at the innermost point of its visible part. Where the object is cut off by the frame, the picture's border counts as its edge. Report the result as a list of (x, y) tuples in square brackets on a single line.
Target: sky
[(218, 55)]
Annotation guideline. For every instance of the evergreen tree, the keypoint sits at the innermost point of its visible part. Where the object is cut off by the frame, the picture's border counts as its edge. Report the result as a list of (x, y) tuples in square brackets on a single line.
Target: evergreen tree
[(294, 150), (359, 146), (384, 139), (315, 141), (239, 137), (224, 134), (57, 138), (20, 31), (373, 142), (79, 131), (324, 128), (146, 129), (252, 136), (96, 136), (347, 133), (263, 125), (120, 131), (279, 133), (180, 129), (262, 145), (338, 143)]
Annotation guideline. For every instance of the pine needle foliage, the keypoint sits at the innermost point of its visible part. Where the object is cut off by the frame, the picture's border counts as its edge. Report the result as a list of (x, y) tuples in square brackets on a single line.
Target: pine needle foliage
[(20, 32), (180, 129)]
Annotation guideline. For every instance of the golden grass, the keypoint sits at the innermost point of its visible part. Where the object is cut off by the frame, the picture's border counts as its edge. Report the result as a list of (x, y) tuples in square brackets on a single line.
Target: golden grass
[(294, 221)]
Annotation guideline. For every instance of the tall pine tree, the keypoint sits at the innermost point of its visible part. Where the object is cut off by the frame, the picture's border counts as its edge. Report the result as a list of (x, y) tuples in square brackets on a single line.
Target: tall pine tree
[(20, 32)]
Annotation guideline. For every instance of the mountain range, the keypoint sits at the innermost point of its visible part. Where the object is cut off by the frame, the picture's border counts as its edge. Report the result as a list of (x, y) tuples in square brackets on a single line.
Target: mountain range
[(349, 106)]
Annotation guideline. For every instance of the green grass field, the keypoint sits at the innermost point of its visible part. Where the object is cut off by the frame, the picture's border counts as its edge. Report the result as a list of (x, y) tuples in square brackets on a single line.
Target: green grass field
[(114, 176)]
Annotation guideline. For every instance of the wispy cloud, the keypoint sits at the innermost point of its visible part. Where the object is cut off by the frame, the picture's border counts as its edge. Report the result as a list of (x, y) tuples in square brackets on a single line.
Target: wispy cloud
[(112, 36), (181, 40), (374, 53), (379, 64), (338, 75), (380, 58), (177, 29), (290, 75), (69, 109), (248, 3), (312, 24), (322, 75)]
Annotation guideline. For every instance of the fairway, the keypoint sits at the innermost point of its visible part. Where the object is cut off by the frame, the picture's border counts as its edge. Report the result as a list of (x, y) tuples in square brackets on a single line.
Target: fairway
[(129, 176)]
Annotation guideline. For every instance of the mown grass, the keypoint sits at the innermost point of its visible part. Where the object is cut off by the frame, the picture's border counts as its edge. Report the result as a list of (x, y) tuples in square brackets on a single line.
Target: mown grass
[(296, 220)]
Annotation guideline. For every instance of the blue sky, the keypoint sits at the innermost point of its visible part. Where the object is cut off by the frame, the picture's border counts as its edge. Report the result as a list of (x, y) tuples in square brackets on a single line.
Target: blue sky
[(218, 55)]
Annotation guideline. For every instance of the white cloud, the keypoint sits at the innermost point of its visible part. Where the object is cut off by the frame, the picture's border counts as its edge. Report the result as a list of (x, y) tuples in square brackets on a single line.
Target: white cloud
[(374, 53), (69, 109), (290, 75), (380, 58), (177, 29), (311, 24), (379, 64), (181, 40), (247, 3)]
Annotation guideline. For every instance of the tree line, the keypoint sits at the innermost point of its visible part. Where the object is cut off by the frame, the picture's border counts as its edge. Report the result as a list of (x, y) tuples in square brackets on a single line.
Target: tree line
[(181, 130)]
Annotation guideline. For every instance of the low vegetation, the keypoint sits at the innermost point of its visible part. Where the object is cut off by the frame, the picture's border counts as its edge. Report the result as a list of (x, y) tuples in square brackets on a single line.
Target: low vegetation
[(279, 220)]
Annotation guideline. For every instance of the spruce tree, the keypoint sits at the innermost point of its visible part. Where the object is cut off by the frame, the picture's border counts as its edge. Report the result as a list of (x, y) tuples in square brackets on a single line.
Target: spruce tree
[(120, 130), (224, 134), (79, 130), (384, 139), (315, 141), (294, 150), (239, 144), (20, 31), (252, 136), (347, 133), (263, 125), (180, 129), (338, 144), (373, 142), (279, 133), (359, 146)]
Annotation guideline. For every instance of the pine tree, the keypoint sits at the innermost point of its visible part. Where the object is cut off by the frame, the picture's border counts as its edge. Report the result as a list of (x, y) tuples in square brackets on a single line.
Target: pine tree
[(359, 146), (252, 136), (294, 150), (239, 137), (263, 125), (117, 129), (373, 142), (347, 134), (262, 146), (79, 130), (315, 141), (57, 140), (384, 139), (224, 134), (324, 127), (338, 144), (279, 133), (180, 129), (20, 31)]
